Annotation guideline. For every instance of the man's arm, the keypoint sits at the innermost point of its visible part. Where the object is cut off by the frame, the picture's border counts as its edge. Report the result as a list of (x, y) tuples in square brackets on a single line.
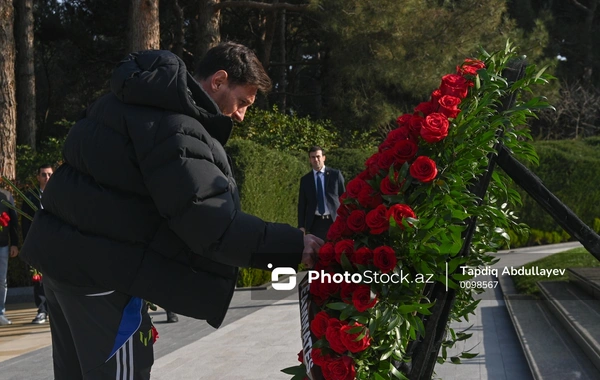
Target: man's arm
[(341, 184), (193, 194)]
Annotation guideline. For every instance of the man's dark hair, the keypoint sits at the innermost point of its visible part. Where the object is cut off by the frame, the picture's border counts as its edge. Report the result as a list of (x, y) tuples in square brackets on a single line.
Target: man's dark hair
[(241, 64), (44, 166), (316, 148)]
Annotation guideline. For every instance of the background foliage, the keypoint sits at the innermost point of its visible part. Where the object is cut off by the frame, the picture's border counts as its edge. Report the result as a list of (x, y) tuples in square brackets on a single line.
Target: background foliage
[(351, 66), (355, 63)]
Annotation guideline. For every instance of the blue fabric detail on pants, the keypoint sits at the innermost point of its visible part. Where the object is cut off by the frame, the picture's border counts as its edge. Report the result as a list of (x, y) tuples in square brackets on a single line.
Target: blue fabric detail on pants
[(130, 323)]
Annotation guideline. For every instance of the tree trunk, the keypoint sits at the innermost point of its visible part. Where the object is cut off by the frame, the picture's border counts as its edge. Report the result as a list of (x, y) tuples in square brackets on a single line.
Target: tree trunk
[(208, 32), (178, 29), (8, 108), (585, 39), (282, 75), (26, 101), (268, 36), (144, 25)]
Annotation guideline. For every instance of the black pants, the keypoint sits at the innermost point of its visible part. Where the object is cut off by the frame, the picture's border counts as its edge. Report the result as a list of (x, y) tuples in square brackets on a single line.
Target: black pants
[(320, 226), (104, 336), (39, 296)]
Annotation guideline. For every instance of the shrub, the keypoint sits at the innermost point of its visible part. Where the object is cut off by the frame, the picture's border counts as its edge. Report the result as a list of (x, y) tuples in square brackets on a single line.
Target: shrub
[(252, 277), (268, 181), (569, 169), (349, 161), (285, 133)]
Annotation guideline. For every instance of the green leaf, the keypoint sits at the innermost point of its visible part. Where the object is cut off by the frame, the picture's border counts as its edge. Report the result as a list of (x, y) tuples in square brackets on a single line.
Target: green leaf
[(337, 305), (385, 355), (296, 370)]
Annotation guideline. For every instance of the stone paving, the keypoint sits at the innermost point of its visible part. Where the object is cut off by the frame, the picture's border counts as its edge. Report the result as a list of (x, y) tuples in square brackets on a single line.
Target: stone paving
[(261, 336)]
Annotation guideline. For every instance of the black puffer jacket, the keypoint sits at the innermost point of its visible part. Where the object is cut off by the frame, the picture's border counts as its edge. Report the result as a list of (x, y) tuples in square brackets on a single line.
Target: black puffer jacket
[(145, 202)]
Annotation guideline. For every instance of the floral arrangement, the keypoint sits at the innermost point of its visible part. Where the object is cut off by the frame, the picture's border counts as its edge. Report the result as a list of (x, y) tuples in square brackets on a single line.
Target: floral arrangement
[(404, 216), (4, 220)]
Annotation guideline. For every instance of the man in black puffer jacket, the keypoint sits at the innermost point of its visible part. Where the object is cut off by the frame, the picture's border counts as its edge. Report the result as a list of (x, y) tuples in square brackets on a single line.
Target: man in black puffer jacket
[(145, 207)]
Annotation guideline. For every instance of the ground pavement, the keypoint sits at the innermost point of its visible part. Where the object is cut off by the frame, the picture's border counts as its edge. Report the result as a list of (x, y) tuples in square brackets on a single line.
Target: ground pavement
[(261, 335)]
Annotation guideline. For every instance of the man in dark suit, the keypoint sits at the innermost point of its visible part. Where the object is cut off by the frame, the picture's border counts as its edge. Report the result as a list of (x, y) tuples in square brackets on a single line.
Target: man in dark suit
[(320, 191), (43, 175)]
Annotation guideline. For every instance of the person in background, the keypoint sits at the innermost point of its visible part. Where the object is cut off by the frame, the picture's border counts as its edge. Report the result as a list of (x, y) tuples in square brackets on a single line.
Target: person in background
[(145, 208), (171, 317), (9, 241), (44, 173), (319, 197)]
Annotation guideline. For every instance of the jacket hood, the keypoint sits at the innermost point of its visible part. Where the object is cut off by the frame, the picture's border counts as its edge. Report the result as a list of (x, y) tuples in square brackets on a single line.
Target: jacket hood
[(159, 78)]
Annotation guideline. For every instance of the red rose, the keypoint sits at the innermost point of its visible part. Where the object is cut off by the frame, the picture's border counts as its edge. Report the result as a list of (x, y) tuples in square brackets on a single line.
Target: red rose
[(344, 247), (337, 229), (365, 175), (399, 212), (423, 169), (154, 334), (363, 256), (350, 339), (387, 187), (377, 221), (435, 96), (346, 290), (404, 151), (362, 299), (318, 293), (332, 334), (364, 197), (470, 67), (322, 290), (4, 219), (318, 357), (384, 258), (326, 254), (435, 127), (404, 120), (385, 159), (371, 164), (301, 356), (415, 125), (319, 324), (341, 368), (398, 134), (425, 108), (355, 186), (356, 221), (369, 198), (449, 105), (36, 278), (455, 85), (343, 211)]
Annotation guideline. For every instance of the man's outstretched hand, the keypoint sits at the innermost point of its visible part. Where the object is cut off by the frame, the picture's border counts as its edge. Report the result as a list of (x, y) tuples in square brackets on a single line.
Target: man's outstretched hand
[(311, 248)]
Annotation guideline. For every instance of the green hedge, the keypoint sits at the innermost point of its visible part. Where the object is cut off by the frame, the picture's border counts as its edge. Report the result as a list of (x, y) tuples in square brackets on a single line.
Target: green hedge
[(349, 161), (570, 169), (268, 181), (285, 133)]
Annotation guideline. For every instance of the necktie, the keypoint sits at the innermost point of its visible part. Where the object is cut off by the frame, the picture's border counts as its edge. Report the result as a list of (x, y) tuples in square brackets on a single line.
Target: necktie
[(320, 195)]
